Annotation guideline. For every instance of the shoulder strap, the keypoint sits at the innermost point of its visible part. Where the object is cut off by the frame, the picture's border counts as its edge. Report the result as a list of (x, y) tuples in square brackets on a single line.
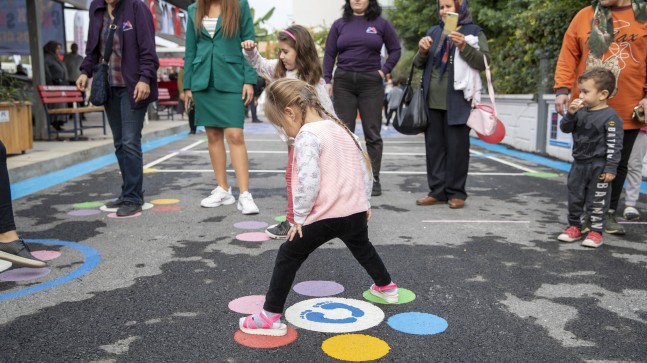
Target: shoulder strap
[(113, 28), (490, 88)]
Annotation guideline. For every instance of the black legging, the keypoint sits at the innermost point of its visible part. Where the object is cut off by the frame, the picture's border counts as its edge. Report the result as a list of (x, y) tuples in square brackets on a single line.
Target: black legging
[(6, 212), (618, 183)]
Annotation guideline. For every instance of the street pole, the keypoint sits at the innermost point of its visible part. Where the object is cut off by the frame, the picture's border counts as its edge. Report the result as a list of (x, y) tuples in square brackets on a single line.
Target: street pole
[(542, 107), (34, 21)]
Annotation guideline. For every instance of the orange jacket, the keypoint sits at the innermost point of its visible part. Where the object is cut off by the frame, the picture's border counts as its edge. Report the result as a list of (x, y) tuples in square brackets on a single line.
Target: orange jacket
[(629, 48)]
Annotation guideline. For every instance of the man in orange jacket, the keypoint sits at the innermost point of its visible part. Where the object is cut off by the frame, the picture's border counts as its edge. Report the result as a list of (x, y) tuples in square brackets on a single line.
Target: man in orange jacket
[(617, 41)]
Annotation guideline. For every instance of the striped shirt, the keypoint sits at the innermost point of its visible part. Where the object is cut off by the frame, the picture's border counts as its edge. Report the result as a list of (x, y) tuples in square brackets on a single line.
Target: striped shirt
[(210, 25), (116, 79)]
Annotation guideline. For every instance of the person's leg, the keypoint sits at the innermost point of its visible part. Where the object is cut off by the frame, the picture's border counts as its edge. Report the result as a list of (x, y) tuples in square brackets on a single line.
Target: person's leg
[(635, 170), (457, 162), (132, 123), (113, 111), (238, 152), (252, 107), (599, 194), (345, 97), (436, 154), (619, 181), (371, 93), (289, 259), (217, 154), (577, 183)]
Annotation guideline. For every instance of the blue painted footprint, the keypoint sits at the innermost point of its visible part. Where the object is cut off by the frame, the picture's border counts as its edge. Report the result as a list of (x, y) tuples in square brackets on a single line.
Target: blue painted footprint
[(319, 317)]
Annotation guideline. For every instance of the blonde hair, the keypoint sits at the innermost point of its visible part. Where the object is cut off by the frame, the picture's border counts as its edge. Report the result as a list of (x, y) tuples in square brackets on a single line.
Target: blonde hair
[(230, 14), (289, 92)]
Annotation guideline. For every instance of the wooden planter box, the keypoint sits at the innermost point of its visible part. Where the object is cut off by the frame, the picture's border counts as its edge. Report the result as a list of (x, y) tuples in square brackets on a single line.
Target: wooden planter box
[(16, 130)]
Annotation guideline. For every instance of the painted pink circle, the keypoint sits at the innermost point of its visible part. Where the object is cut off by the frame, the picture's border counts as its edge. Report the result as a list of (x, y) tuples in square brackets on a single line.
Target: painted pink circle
[(318, 288), (114, 215), (166, 208), (253, 237), (84, 212), (251, 304), (250, 225), (46, 255), (24, 274)]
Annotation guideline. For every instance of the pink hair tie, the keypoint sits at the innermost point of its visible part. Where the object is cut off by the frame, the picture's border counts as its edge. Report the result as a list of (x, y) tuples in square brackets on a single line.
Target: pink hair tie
[(290, 35)]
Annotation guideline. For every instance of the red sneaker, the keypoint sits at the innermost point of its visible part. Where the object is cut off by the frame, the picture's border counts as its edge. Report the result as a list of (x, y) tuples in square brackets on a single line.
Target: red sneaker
[(571, 234), (593, 239)]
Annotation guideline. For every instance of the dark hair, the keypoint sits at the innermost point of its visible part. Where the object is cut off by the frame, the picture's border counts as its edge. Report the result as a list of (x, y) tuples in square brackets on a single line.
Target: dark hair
[(603, 78), (50, 47), (373, 11), (307, 62)]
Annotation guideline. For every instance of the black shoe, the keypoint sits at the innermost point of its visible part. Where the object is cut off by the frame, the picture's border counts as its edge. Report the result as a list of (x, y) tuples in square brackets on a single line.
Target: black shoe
[(115, 203), (279, 231), (257, 121), (128, 209), (19, 254), (377, 189)]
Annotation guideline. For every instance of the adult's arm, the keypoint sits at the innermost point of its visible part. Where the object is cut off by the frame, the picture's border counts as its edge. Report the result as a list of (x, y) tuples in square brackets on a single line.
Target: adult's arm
[(330, 55), (392, 43), (247, 33), (474, 57), (190, 46), (569, 58), (148, 60)]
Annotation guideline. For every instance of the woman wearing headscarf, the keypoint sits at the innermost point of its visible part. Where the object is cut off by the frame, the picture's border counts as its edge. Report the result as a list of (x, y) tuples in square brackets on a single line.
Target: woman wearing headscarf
[(355, 43), (447, 140), (55, 75), (610, 34)]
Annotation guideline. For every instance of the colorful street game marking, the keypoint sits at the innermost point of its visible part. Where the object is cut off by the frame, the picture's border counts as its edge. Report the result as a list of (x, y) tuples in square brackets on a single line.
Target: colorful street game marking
[(418, 323), (44, 255), (404, 296), (543, 175), (84, 212), (334, 315), (250, 225), (251, 304), (253, 237), (166, 208), (165, 201), (318, 288), (114, 215), (265, 342), (145, 206), (24, 274), (280, 219), (87, 205), (355, 347)]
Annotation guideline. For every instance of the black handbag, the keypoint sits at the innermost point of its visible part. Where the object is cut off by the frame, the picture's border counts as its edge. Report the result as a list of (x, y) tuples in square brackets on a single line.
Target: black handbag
[(411, 115), (100, 90)]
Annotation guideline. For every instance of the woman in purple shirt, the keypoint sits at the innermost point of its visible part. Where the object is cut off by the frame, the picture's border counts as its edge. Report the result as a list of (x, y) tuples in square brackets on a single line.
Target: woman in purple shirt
[(356, 41)]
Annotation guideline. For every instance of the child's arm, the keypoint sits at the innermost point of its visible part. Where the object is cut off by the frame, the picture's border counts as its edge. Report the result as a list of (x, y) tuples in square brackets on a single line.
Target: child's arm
[(264, 67), (307, 149), (368, 179), (569, 120), (614, 139)]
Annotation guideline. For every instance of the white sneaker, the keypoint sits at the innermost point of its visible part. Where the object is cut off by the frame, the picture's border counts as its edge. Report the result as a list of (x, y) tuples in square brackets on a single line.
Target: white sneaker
[(631, 214), (218, 197), (246, 204)]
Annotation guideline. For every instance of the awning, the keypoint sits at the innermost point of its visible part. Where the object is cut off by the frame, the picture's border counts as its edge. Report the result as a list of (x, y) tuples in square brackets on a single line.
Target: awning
[(171, 62)]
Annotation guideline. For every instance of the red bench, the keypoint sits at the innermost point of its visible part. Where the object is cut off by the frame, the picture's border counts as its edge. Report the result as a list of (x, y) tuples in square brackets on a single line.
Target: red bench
[(164, 100), (50, 95)]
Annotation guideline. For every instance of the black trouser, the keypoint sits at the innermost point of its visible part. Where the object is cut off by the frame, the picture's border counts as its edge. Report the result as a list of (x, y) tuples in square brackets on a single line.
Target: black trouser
[(586, 189), (352, 230), (6, 212), (448, 157), (363, 91), (619, 182)]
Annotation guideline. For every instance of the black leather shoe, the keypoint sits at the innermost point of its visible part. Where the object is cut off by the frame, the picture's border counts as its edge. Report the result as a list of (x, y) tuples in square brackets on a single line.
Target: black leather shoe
[(115, 203), (128, 209), (377, 189)]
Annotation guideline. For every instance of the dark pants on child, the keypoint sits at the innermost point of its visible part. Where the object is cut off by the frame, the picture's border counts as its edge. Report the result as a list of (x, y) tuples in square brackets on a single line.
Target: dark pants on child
[(447, 150), (6, 211), (126, 125), (363, 91), (586, 189), (619, 182), (352, 230)]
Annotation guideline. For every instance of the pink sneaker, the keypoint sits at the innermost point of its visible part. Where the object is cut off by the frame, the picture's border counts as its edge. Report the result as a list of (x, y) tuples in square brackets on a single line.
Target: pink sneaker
[(388, 293), (593, 239), (271, 326), (571, 234)]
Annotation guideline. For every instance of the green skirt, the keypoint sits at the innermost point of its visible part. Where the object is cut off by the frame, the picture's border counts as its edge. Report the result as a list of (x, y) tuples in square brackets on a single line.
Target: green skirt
[(214, 108)]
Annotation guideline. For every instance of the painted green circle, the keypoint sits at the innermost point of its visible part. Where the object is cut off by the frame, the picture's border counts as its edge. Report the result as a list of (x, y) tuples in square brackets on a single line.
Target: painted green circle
[(280, 219), (88, 205), (404, 296), (540, 174)]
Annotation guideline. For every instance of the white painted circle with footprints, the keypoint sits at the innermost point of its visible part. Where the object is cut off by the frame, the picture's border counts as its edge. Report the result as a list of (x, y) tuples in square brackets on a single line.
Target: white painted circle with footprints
[(334, 315)]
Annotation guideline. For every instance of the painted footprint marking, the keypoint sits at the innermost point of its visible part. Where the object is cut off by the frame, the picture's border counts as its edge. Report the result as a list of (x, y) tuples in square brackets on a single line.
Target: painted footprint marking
[(319, 317)]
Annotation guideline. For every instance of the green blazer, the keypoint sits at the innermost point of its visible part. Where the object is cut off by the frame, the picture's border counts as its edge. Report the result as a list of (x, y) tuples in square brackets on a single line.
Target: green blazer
[(219, 56)]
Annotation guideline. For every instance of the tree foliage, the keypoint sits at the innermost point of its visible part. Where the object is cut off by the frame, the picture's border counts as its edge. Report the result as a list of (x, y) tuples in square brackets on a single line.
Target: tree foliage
[(259, 30), (519, 32)]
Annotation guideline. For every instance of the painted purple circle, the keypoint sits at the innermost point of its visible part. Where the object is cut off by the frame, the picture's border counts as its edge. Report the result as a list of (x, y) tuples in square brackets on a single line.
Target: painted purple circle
[(251, 304), (253, 237), (318, 288), (44, 255), (114, 215), (84, 212), (250, 225), (24, 274)]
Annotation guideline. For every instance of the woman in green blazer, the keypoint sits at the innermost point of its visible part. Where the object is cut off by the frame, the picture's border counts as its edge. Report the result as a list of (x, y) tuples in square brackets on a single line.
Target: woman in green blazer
[(220, 83)]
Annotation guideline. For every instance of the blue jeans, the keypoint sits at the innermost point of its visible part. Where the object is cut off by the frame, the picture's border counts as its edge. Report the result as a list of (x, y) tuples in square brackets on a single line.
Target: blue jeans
[(126, 125)]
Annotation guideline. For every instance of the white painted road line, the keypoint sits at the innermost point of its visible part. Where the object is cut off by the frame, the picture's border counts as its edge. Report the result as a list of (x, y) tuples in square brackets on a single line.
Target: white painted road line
[(164, 158), (474, 221), (278, 171), (517, 166)]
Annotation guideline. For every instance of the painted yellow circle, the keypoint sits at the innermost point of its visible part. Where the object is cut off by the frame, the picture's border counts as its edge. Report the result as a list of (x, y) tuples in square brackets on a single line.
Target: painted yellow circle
[(165, 201), (149, 170), (355, 347)]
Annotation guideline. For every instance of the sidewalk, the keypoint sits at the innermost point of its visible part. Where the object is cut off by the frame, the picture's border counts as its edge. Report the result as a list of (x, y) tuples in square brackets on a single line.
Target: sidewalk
[(54, 155)]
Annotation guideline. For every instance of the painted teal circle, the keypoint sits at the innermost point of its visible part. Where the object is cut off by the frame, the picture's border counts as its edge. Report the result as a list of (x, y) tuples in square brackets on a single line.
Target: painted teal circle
[(418, 323), (91, 260)]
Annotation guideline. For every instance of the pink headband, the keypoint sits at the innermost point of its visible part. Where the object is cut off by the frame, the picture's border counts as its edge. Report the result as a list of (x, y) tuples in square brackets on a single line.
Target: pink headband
[(290, 35)]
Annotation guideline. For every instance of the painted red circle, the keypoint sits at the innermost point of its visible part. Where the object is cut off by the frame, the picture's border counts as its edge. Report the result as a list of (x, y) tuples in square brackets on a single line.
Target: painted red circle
[(265, 342), (166, 208)]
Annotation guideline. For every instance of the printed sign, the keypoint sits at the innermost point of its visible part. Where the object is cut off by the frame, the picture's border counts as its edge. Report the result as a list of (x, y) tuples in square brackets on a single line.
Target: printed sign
[(4, 115)]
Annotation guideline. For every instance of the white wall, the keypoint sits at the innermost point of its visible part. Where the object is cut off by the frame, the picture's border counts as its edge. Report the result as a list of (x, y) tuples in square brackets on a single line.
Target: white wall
[(314, 13)]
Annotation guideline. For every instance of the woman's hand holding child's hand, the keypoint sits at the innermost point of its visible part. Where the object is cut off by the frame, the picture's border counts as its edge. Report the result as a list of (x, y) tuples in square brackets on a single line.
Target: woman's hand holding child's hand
[(575, 106), (248, 45), (296, 228)]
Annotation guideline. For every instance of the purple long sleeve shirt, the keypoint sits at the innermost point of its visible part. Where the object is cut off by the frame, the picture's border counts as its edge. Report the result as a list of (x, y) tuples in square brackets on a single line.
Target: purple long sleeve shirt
[(357, 44)]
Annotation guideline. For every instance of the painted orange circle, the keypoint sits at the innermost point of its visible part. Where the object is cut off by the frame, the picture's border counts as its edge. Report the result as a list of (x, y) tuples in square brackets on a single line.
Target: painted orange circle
[(265, 342), (165, 201)]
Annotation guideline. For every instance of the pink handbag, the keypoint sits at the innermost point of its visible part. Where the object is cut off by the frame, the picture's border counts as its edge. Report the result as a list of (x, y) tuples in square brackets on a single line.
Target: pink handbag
[(482, 118)]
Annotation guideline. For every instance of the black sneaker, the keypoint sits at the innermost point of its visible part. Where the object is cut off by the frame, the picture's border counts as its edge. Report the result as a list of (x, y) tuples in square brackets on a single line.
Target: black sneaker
[(128, 209), (257, 121), (279, 231), (377, 189), (19, 254), (115, 203), (612, 226)]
